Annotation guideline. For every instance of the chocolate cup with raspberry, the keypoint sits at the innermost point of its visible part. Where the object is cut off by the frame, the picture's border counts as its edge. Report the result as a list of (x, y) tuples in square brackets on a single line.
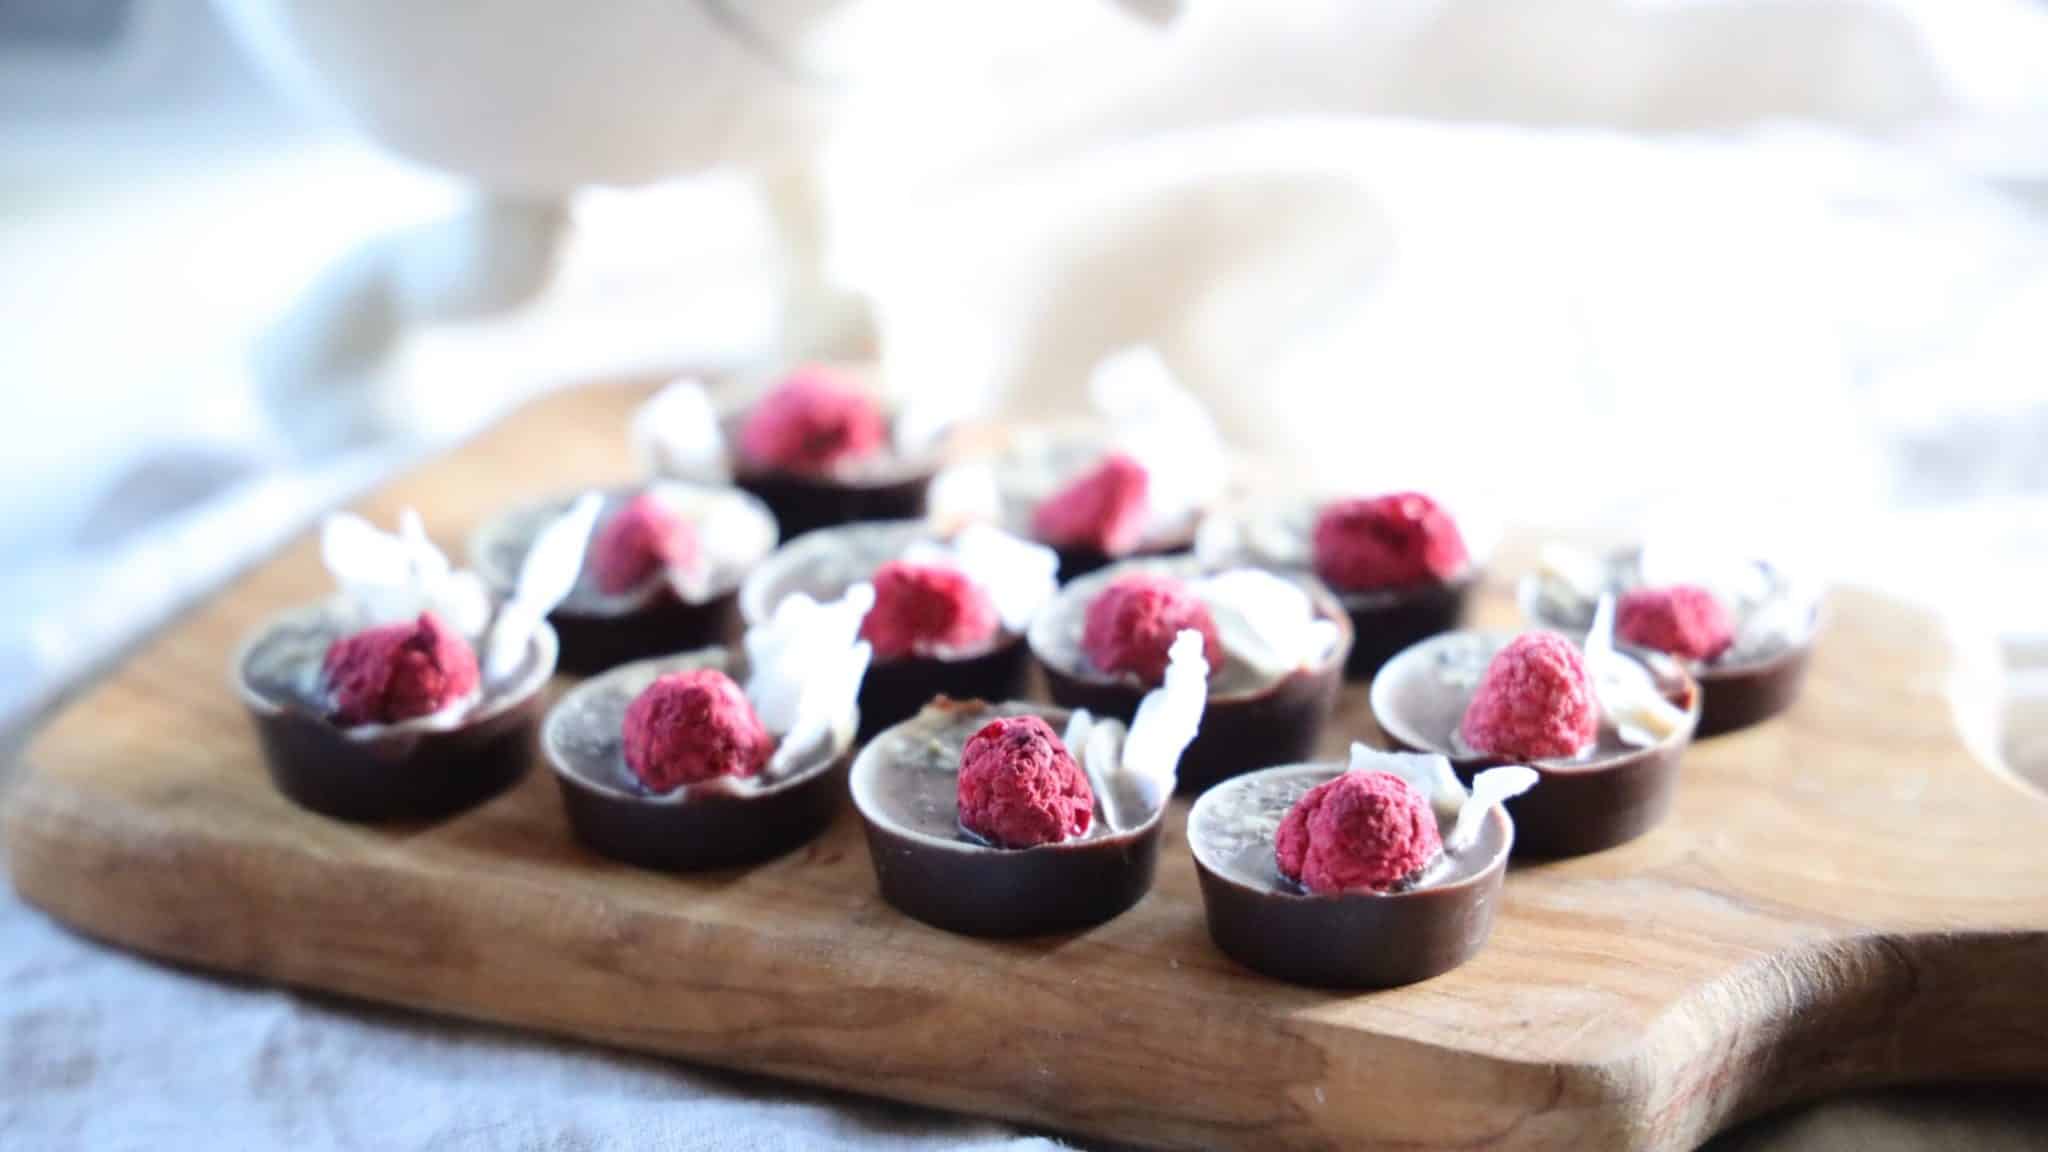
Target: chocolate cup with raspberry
[(1745, 686), (1272, 925), (725, 822), (1278, 535), (1388, 620), (888, 485), (825, 563), (600, 631), (905, 786), (1036, 461), (424, 769), (1251, 720), (1595, 801)]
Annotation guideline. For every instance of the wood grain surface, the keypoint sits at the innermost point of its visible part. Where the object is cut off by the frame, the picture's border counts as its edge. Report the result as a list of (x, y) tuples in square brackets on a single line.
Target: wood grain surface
[(1842, 897)]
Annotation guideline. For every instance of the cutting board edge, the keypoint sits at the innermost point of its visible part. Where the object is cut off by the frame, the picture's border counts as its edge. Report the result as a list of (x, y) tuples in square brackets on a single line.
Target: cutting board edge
[(1859, 1010)]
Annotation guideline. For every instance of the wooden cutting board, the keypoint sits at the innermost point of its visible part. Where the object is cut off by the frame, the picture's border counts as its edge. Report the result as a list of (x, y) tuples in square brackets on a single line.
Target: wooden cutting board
[(1842, 897)]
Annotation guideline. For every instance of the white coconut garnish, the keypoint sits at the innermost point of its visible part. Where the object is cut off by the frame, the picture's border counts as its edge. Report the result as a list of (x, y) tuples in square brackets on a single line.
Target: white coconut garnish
[(1267, 621), (1627, 692), (1168, 718), (1019, 576), (1096, 744), (924, 416), (1163, 426), (676, 433), (385, 577), (1431, 775), (806, 662), (1783, 621), (963, 494), (1267, 536), (731, 535), (1569, 575), (546, 577)]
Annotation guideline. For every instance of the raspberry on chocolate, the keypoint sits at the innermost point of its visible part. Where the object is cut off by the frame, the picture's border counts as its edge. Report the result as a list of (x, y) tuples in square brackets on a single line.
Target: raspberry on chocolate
[(692, 726), (1020, 787), (1358, 832), (1534, 702), (1130, 625), (398, 672), (1102, 509), (812, 423), (642, 538), (1394, 541), (1685, 620), (927, 610)]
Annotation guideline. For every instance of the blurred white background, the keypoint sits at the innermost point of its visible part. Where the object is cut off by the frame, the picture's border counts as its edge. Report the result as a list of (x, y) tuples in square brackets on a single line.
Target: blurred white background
[(1775, 268), (1769, 266)]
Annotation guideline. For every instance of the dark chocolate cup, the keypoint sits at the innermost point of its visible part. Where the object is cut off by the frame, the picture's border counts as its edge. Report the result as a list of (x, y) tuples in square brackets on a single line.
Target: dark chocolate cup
[(1077, 562), (1739, 696), (802, 503), (404, 772), (1736, 696), (718, 824), (599, 632), (1279, 722), (823, 565), (981, 890), (1576, 808), (1384, 623), (896, 690), (1354, 940), (667, 623)]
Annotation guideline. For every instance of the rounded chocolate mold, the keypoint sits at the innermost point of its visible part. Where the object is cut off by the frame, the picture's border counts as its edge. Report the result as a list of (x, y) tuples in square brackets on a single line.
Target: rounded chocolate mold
[(1250, 721), (825, 563), (1608, 796), (422, 769), (1038, 461), (888, 485), (1383, 620), (1387, 621), (905, 786), (722, 823), (598, 631), (1271, 925), (1739, 688)]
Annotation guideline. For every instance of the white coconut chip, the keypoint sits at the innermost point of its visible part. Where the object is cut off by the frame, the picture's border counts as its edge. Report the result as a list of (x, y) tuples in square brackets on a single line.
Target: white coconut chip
[(1167, 719), (1096, 744), (1568, 575), (924, 417), (1266, 621), (730, 533), (806, 662), (1262, 535), (1431, 775), (1165, 428), (1627, 692), (676, 433), (546, 577), (963, 494), (388, 577), (1019, 576)]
